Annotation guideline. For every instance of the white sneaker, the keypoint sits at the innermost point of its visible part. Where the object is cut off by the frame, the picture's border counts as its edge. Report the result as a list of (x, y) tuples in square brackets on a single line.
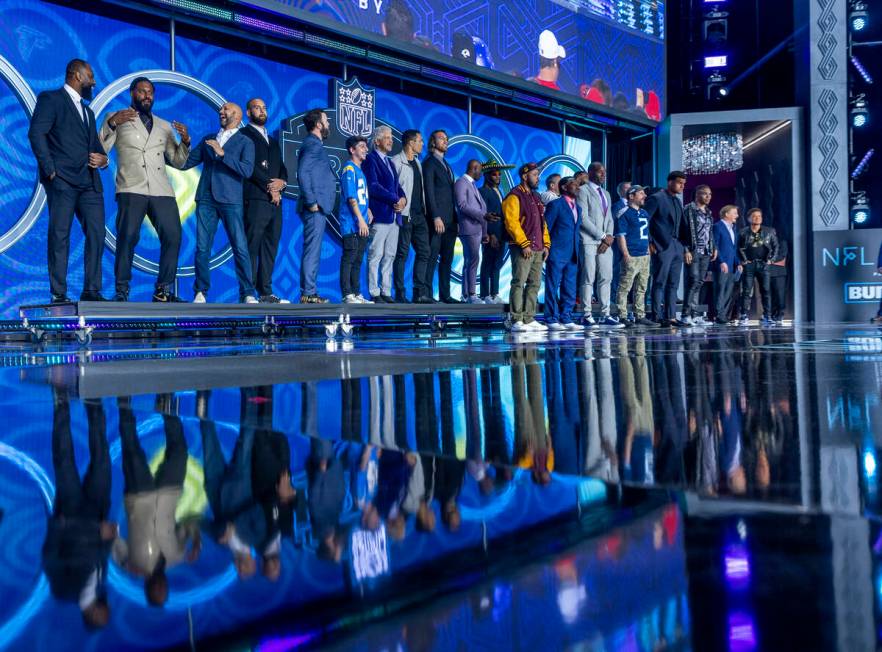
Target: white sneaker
[(199, 298), (250, 299), (688, 320), (362, 299), (520, 327), (554, 326), (699, 321), (475, 299), (536, 326), (497, 299), (573, 326), (589, 322), (351, 298)]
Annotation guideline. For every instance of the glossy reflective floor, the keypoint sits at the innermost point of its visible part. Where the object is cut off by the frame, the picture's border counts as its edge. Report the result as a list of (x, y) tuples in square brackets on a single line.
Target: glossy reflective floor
[(712, 490)]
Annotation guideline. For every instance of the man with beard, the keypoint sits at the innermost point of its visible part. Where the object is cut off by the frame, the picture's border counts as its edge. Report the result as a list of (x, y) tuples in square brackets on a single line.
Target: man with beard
[(227, 160), (64, 140), (493, 252), (318, 191), (263, 201), (440, 213), (525, 222), (145, 144)]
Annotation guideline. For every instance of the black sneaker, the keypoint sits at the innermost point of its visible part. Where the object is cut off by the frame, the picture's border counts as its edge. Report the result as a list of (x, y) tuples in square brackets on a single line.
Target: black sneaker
[(647, 322), (400, 298), (91, 296), (312, 298), (385, 298), (60, 298), (272, 298), (161, 295), (120, 296)]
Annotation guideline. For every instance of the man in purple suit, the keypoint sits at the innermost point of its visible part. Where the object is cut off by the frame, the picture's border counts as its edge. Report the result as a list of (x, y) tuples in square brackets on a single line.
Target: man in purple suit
[(472, 213)]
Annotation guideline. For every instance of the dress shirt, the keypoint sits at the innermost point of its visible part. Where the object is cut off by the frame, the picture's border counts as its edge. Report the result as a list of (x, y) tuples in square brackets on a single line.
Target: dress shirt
[(731, 229), (572, 204), (76, 98), (599, 191), (223, 135), (262, 131)]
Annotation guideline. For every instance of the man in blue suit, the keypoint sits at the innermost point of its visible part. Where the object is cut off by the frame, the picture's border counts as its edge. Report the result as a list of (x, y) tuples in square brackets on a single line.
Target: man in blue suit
[(318, 192), (69, 154), (227, 161), (563, 217), (386, 200), (726, 266)]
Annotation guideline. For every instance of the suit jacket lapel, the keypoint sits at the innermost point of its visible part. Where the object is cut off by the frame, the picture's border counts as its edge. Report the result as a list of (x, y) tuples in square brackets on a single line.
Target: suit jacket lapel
[(75, 110)]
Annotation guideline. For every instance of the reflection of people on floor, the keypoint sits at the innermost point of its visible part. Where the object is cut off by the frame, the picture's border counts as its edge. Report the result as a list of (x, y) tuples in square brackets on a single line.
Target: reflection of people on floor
[(702, 458), (426, 414), (420, 492), (78, 534), (729, 411), (156, 541), (382, 414), (350, 407), (449, 476), (395, 469), (567, 409), (533, 446), (670, 416), (637, 451), (327, 490), (600, 455)]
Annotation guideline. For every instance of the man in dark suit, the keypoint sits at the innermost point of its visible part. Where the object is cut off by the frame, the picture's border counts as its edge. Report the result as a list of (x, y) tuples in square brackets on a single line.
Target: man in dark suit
[(727, 265), (492, 253), (440, 213), (318, 192), (263, 201), (564, 218), (669, 237), (65, 141), (78, 534), (227, 161)]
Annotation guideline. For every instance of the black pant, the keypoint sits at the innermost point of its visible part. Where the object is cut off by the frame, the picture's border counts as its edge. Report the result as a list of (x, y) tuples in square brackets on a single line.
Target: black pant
[(416, 233), (263, 230), (778, 283), (441, 249), (136, 471), (491, 263), (89, 498), (724, 285), (65, 201), (697, 272), (165, 218), (666, 272), (354, 246), (755, 271)]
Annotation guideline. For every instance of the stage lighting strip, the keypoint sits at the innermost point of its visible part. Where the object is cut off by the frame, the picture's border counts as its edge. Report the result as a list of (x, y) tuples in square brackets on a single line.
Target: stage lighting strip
[(198, 8), (330, 44), (530, 99), (294, 34), (393, 61), (765, 135), (491, 88), (443, 74)]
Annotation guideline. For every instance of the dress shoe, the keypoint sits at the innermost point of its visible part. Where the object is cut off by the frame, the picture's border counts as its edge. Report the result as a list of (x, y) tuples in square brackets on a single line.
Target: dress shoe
[(385, 298), (60, 298), (425, 299), (450, 300), (120, 296), (679, 323), (400, 298), (91, 296)]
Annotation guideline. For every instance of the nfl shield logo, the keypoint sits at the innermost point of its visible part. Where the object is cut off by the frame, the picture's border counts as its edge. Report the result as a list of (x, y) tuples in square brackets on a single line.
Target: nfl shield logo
[(355, 108)]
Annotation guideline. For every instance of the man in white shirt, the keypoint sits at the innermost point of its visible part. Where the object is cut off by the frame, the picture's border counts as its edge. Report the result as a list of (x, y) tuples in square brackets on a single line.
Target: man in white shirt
[(552, 191)]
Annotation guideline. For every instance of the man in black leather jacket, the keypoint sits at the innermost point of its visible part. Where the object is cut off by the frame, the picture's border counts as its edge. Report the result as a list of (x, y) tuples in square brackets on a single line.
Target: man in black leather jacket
[(757, 247)]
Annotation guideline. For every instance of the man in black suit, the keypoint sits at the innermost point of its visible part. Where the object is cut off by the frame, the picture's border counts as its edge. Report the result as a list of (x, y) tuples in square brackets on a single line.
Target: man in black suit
[(65, 141), (669, 238), (438, 180), (263, 201)]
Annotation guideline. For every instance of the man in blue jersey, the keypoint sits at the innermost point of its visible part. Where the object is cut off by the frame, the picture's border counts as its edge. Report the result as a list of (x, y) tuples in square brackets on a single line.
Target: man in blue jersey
[(355, 218), (632, 238)]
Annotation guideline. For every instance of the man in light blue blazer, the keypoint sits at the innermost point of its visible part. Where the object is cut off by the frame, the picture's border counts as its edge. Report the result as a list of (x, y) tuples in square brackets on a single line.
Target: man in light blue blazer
[(227, 160), (318, 193), (563, 217)]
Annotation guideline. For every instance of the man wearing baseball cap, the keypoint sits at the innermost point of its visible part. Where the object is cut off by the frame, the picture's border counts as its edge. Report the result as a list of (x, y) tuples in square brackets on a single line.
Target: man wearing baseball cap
[(524, 218), (550, 54), (632, 239)]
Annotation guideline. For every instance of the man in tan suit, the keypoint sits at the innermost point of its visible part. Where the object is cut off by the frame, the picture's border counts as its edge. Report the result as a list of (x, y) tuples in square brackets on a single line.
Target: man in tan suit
[(145, 144)]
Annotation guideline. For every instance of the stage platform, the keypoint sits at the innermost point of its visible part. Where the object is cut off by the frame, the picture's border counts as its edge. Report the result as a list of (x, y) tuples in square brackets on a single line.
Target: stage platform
[(82, 319)]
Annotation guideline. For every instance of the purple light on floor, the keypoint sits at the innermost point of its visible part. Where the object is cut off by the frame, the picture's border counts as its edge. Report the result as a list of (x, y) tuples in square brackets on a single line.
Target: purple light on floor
[(285, 643), (742, 632), (736, 562)]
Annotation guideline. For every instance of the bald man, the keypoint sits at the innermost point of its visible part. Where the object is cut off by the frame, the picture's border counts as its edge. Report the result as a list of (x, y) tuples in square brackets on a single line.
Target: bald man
[(227, 160)]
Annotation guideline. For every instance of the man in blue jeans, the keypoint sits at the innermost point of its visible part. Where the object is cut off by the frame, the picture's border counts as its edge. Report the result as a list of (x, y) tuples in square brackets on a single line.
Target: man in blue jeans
[(318, 192), (227, 159)]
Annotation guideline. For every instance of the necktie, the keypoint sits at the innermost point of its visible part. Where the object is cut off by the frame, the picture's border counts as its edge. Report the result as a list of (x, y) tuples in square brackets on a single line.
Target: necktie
[(602, 199), (449, 170), (85, 113)]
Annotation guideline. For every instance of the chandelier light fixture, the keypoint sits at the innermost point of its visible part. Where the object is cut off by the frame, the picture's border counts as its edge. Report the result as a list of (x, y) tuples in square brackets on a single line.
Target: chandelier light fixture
[(713, 153)]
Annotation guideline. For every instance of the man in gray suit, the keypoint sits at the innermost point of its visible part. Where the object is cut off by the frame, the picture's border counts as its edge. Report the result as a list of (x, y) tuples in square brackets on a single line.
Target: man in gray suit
[(145, 144), (414, 229), (596, 232)]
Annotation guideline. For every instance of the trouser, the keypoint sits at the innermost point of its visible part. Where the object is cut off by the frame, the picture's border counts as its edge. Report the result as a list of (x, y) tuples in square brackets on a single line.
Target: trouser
[(313, 231), (496, 444), (441, 250), (208, 214), (354, 246), (634, 273), (350, 409), (425, 413), (136, 471), (779, 295), (697, 272), (529, 409), (263, 229), (89, 498), (227, 486), (165, 218), (65, 201), (381, 256), (471, 253), (724, 285), (415, 233), (616, 272), (491, 264), (666, 281), (755, 271), (526, 274), (560, 289), (596, 268)]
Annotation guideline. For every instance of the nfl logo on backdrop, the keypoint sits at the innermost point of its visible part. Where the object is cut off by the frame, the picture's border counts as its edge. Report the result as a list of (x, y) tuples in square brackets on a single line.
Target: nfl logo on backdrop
[(354, 106)]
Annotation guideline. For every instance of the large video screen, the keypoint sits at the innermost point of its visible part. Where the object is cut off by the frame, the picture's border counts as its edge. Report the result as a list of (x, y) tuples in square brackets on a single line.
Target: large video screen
[(608, 52)]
